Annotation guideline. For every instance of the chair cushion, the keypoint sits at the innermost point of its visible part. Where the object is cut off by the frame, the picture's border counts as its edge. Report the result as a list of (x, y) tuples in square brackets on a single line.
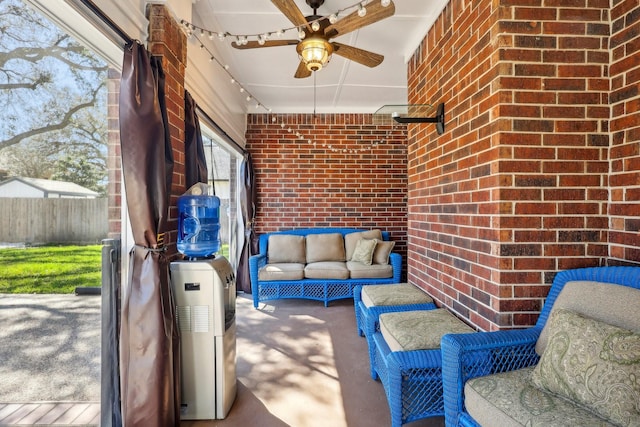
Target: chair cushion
[(325, 247), (382, 252), (594, 364), (388, 295), (351, 239), (610, 303), (359, 270), (326, 270), (281, 271), (286, 248), (364, 251), (510, 400), (419, 330)]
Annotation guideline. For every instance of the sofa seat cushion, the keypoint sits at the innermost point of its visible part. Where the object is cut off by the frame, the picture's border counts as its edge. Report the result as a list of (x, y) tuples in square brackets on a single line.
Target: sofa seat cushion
[(390, 295), (281, 271), (326, 270), (359, 270), (420, 329), (325, 247), (594, 364), (510, 400)]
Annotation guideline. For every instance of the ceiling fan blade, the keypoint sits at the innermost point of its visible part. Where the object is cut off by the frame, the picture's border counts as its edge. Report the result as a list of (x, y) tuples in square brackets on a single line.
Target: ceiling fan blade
[(360, 56), (302, 71), (292, 12), (268, 43), (352, 22)]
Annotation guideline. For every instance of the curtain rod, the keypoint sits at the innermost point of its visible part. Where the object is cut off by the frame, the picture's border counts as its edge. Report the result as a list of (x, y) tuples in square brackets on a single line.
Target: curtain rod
[(218, 129), (108, 21)]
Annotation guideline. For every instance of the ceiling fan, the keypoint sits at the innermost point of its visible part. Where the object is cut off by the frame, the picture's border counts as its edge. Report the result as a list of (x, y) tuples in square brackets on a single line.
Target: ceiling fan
[(316, 32)]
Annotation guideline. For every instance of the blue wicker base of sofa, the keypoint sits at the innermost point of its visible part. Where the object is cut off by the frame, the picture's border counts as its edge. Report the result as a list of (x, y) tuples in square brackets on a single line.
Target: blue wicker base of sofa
[(313, 289)]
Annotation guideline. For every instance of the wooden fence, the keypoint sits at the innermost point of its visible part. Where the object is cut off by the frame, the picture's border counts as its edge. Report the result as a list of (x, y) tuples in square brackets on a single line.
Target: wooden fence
[(34, 221)]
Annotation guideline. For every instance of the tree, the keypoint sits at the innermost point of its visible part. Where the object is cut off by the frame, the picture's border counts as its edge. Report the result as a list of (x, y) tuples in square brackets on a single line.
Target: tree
[(81, 171), (52, 96)]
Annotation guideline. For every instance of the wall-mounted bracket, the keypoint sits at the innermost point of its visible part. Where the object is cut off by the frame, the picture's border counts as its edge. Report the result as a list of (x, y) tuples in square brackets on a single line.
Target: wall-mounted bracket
[(413, 113)]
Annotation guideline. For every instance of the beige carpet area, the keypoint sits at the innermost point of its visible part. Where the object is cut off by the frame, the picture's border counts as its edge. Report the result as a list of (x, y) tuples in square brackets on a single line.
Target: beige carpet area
[(301, 364)]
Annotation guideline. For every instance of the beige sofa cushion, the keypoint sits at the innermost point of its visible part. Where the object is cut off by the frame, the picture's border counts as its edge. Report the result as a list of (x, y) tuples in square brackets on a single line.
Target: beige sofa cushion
[(351, 240), (593, 364), (610, 303), (420, 329), (382, 252), (325, 247), (281, 271), (510, 400), (364, 251), (359, 270), (326, 270), (286, 248)]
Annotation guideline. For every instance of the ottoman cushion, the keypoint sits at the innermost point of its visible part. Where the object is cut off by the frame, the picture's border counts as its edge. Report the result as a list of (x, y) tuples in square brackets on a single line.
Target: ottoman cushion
[(419, 330), (400, 294)]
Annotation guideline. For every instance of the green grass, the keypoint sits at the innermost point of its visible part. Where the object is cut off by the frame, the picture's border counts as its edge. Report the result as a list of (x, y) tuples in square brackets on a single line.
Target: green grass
[(49, 269), (53, 269)]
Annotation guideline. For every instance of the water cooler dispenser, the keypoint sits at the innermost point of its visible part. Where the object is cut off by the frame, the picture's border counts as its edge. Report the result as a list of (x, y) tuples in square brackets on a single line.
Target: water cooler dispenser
[(205, 291)]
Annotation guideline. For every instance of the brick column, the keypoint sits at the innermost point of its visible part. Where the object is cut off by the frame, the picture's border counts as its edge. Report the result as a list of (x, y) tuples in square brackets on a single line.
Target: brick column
[(167, 40)]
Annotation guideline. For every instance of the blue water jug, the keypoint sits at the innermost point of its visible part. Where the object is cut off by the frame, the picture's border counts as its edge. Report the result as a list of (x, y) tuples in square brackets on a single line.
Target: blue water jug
[(198, 225)]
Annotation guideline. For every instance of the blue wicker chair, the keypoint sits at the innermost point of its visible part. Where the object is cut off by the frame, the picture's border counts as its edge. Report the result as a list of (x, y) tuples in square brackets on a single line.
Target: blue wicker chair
[(467, 356), (367, 316)]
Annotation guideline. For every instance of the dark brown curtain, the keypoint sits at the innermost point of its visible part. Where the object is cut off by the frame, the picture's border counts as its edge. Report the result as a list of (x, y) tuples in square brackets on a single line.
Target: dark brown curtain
[(149, 348), (248, 200), (195, 162)]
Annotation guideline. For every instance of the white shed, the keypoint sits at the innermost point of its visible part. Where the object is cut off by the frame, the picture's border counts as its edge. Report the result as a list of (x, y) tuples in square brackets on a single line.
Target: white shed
[(44, 188)]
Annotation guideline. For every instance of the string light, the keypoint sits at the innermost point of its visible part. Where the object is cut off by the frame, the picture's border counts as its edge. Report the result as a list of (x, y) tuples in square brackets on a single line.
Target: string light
[(243, 39), (362, 11)]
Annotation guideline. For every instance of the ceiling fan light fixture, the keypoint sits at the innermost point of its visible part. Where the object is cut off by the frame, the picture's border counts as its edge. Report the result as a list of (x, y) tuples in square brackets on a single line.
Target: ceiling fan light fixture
[(385, 3), (333, 18), (315, 52), (315, 25)]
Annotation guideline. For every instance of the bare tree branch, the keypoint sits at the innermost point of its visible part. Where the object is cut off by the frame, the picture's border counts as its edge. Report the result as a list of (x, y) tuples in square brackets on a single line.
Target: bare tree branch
[(61, 124)]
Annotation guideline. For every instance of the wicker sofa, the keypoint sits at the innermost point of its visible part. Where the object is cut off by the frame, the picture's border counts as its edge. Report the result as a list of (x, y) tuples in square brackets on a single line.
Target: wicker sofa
[(323, 264), (578, 366)]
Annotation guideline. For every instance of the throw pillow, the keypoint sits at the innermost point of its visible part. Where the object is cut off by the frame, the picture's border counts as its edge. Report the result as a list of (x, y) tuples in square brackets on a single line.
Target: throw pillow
[(364, 251), (593, 364), (382, 252), (351, 239)]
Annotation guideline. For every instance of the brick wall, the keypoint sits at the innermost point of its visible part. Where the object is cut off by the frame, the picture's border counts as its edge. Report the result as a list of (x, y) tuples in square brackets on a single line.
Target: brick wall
[(624, 181), (343, 178), (518, 187)]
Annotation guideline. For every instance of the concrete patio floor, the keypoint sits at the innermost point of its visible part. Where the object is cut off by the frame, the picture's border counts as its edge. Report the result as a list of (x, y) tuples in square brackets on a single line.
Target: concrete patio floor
[(299, 364)]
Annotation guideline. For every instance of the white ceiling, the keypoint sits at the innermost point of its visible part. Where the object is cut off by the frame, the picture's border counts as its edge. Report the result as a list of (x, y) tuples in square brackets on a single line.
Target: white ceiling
[(342, 86)]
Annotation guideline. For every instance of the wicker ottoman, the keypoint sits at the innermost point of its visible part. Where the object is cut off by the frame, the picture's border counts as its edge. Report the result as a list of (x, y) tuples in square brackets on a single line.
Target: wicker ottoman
[(408, 362), (372, 300)]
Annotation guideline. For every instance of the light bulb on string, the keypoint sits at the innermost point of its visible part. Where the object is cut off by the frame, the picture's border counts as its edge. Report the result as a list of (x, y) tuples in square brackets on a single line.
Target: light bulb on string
[(362, 11)]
